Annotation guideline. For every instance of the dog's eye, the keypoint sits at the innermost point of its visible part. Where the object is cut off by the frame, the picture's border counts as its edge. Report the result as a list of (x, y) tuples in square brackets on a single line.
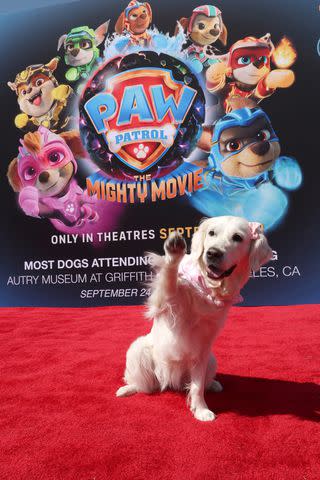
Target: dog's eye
[(233, 145), (55, 157), (201, 26), (264, 58), (69, 47), (263, 135), (85, 44), (29, 173), (133, 16), (245, 60), (23, 92), (237, 238), (39, 82), (211, 233)]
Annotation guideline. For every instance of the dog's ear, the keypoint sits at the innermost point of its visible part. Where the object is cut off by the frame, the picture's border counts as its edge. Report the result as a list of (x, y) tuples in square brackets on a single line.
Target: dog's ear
[(52, 65), (205, 139), (13, 175), (223, 35), (73, 140), (198, 240), (61, 41), (184, 22), (260, 251), (119, 26), (148, 7), (101, 32), (13, 86)]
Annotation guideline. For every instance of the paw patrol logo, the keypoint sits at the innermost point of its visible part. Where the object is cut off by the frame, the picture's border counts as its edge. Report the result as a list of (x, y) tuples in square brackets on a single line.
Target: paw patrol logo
[(139, 114)]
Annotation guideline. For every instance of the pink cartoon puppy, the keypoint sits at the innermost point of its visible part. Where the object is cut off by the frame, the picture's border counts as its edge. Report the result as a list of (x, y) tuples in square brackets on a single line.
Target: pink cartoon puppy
[(43, 174)]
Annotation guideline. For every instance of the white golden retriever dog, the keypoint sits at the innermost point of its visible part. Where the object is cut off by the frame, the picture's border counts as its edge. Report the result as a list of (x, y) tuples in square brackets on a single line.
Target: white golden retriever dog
[(190, 299)]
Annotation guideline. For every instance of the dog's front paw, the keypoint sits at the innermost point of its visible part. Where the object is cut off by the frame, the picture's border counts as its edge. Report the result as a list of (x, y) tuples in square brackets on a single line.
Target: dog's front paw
[(204, 414), (175, 245)]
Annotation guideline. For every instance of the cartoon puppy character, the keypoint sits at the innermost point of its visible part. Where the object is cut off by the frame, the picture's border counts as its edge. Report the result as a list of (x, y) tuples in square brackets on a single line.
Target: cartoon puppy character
[(247, 72), (81, 50), (135, 20), (245, 171), (43, 174), (41, 99), (205, 27)]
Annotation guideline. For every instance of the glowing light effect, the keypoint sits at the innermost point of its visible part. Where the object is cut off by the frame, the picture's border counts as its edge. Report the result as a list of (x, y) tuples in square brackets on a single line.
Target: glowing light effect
[(284, 54)]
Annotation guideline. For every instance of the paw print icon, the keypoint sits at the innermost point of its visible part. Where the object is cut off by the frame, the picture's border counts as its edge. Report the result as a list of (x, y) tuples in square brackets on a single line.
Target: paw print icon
[(70, 208), (141, 151)]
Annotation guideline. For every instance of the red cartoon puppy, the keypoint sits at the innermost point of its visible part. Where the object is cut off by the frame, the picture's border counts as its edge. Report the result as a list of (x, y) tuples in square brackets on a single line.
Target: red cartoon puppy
[(247, 72)]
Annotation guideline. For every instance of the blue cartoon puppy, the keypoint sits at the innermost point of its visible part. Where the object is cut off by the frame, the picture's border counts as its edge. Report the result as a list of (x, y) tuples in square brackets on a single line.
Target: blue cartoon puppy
[(246, 174)]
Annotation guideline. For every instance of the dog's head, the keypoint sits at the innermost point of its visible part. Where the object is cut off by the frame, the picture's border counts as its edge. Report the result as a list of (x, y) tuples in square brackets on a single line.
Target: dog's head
[(243, 143), (81, 44), (249, 59), (205, 26), (34, 87), (45, 161), (227, 249), (136, 18)]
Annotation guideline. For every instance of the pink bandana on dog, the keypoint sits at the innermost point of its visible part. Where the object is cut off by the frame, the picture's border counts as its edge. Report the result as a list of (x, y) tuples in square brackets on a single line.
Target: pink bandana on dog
[(190, 272)]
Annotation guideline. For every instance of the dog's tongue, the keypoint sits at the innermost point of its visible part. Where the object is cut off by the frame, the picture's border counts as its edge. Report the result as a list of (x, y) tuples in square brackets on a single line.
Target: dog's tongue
[(37, 100)]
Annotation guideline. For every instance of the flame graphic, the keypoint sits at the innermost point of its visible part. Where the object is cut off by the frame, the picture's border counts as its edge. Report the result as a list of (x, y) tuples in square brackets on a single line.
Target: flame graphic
[(284, 54)]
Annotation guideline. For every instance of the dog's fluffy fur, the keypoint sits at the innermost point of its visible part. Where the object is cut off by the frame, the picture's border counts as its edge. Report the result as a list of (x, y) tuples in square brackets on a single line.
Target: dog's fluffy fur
[(176, 354)]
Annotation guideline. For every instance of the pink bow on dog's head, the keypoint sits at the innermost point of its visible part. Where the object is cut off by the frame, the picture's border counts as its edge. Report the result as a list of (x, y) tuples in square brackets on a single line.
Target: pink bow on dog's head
[(255, 228)]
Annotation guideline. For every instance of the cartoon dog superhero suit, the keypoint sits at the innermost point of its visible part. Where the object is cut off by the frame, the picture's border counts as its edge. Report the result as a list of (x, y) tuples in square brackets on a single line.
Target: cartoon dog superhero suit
[(246, 72), (258, 197), (81, 50), (43, 174), (41, 99)]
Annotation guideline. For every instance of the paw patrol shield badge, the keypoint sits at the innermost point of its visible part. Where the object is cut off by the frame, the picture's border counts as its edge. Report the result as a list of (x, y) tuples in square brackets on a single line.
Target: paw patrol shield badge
[(141, 114)]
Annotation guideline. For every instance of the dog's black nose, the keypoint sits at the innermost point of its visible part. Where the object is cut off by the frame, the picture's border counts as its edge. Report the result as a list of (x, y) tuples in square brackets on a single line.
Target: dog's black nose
[(260, 148), (214, 254), (259, 63), (44, 176), (75, 52), (214, 32)]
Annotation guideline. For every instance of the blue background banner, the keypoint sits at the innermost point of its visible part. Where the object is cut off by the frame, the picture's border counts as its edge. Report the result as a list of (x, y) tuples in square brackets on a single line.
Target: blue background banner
[(115, 265)]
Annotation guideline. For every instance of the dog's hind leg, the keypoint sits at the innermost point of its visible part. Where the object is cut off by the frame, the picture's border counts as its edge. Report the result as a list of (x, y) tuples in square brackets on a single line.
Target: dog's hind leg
[(139, 375), (126, 391)]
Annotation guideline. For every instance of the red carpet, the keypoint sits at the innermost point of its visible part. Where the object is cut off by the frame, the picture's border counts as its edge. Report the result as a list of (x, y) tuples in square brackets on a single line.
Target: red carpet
[(60, 419)]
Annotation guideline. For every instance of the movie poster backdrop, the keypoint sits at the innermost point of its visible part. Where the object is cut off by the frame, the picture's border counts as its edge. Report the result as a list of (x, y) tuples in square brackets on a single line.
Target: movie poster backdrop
[(123, 122)]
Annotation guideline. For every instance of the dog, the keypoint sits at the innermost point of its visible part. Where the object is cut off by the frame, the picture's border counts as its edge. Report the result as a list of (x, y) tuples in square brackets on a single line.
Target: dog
[(190, 299), (246, 72), (204, 28), (135, 20), (81, 50), (43, 175), (42, 100)]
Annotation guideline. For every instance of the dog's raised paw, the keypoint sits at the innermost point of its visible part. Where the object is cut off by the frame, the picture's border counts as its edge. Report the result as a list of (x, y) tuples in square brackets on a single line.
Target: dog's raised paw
[(175, 244), (204, 415)]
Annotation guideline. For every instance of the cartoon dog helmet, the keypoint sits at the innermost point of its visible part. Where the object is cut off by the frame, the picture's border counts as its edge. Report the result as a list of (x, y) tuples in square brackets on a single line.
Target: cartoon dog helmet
[(82, 33), (208, 11), (133, 4), (31, 70), (250, 42), (242, 117)]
